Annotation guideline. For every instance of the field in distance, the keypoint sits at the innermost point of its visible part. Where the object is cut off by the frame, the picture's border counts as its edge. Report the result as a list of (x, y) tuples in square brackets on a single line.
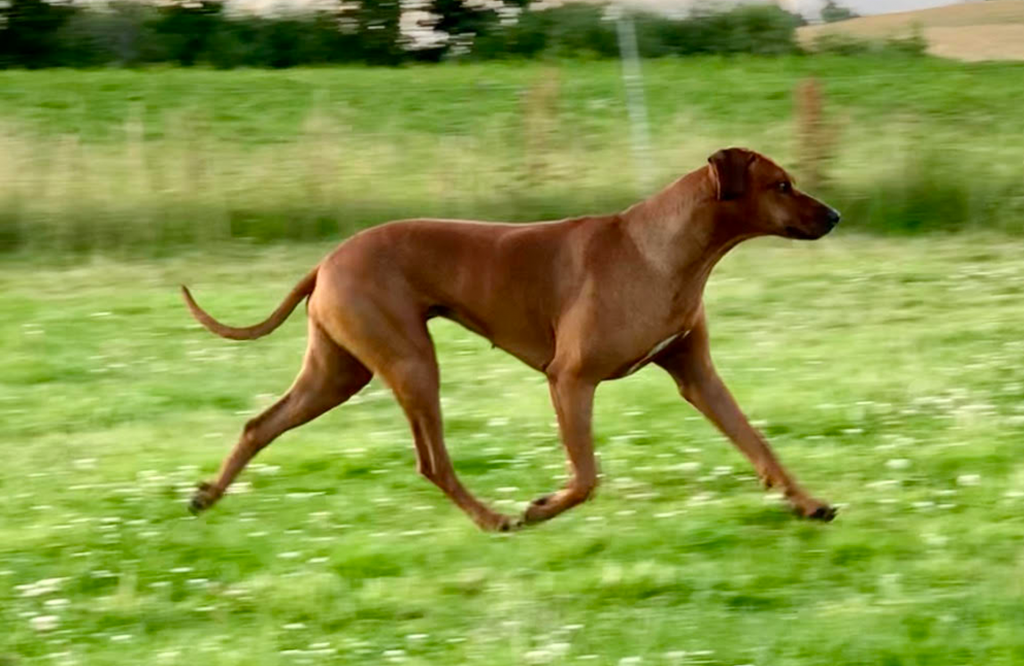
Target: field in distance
[(971, 31)]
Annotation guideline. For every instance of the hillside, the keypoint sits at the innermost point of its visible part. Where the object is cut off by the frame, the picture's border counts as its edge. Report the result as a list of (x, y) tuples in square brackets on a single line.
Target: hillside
[(971, 31)]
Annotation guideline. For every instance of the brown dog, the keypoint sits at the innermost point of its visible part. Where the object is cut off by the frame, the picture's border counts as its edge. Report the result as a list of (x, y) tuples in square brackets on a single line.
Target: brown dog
[(582, 300)]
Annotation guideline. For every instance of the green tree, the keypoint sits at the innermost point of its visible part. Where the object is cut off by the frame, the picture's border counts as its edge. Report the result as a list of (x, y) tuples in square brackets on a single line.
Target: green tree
[(187, 28), (833, 11), (29, 32), (464, 23), (377, 24)]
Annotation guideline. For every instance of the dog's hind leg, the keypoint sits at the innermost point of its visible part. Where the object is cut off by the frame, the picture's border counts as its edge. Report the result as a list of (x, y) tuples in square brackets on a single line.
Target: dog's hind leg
[(415, 385), (330, 375), (389, 334)]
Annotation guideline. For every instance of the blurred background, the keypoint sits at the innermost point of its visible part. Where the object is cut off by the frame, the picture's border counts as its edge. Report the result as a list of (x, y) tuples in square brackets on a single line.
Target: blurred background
[(134, 126), (232, 144)]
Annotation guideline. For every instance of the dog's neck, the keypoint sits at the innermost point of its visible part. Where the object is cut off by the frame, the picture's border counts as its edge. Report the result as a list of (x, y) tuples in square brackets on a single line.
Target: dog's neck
[(683, 228)]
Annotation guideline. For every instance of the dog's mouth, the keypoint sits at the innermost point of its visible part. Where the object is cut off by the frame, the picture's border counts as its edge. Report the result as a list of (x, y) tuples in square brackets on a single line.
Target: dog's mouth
[(800, 234)]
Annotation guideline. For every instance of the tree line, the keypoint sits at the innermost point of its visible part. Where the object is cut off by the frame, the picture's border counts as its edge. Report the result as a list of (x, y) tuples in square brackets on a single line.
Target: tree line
[(128, 33)]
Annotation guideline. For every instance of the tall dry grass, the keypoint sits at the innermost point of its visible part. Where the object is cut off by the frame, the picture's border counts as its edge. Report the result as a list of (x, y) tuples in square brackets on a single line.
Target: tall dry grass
[(153, 190), (186, 187)]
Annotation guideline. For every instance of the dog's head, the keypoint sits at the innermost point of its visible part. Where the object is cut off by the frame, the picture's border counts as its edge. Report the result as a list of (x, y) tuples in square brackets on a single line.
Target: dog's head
[(761, 196)]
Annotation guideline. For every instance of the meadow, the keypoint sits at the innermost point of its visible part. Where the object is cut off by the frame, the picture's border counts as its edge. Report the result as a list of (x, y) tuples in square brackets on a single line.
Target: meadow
[(149, 161), (882, 362), (886, 372)]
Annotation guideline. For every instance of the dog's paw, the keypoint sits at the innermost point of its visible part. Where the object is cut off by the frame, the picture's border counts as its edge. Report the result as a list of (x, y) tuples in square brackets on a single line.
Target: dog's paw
[(511, 524), (824, 513), (202, 499), (818, 511), (537, 511), (497, 522)]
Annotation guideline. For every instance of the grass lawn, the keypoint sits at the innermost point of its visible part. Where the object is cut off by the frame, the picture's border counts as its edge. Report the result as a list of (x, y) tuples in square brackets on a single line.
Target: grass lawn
[(887, 374)]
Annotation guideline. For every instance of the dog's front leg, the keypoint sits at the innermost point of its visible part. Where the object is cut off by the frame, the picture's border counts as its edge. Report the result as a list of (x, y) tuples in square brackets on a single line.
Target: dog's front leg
[(573, 399), (689, 363)]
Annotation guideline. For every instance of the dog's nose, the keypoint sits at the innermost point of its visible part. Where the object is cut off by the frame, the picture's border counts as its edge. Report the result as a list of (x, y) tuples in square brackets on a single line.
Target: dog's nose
[(833, 216)]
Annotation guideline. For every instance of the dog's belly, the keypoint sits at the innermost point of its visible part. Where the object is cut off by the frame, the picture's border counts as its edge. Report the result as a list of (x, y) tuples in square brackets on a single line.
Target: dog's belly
[(527, 343)]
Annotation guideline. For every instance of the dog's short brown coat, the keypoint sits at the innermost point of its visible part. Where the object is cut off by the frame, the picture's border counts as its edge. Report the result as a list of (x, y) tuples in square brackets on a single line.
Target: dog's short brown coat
[(582, 300)]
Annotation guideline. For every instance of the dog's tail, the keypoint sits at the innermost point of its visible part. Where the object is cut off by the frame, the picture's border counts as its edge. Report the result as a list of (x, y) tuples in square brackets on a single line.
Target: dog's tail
[(303, 289)]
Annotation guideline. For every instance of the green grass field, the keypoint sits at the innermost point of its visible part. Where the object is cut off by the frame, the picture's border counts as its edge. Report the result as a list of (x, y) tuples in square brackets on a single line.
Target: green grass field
[(887, 374), (145, 162)]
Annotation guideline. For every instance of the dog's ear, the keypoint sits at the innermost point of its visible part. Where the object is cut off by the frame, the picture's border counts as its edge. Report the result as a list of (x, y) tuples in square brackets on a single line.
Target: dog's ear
[(729, 171)]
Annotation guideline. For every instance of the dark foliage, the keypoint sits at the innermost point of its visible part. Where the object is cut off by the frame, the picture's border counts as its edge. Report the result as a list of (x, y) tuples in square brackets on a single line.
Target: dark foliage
[(36, 33)]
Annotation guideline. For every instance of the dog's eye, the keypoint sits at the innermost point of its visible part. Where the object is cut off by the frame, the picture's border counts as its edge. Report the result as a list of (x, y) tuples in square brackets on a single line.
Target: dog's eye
[(785, 187)]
